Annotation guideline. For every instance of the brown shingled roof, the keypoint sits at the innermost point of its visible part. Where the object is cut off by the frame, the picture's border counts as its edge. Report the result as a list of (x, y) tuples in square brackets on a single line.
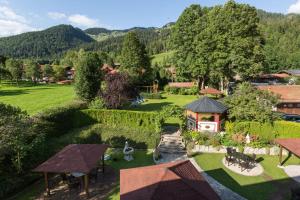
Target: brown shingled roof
[(74, 158), (292, 145), (287, 93), (170, 181)]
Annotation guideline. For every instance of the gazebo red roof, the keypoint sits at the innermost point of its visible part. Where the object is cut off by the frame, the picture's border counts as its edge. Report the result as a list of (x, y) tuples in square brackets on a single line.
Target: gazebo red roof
[(74, 158), (170, 181), (292, 145), (211, 91)]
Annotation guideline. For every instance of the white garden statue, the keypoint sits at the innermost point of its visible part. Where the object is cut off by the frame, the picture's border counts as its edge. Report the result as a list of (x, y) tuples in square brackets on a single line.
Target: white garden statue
[(128, 151), (248, 139)]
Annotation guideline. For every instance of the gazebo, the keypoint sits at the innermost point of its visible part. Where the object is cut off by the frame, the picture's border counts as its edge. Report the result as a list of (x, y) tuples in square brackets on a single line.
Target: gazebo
[(291, 145), (205, 114), (170, 181), (74, 158), (211, 91)]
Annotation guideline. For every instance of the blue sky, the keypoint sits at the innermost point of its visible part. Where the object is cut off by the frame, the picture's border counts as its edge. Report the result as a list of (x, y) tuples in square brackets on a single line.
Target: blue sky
[(17, 16)]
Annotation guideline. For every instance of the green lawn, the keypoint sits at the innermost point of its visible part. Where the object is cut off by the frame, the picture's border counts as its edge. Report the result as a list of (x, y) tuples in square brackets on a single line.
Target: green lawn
[(274, 181), (34, 99), (168, 99)]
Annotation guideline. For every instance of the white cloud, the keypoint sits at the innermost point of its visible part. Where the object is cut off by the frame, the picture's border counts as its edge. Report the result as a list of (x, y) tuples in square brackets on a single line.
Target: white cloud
[(9, 14), (295, 8), (8, 27), (57, 15), (82, 20), (12, 23)]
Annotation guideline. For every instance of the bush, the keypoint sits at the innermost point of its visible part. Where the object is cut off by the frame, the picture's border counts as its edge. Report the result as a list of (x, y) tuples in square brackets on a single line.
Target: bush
[(97, 103), (265, 132), (148, 121), (58, 120), (151, 95), (182, 91)]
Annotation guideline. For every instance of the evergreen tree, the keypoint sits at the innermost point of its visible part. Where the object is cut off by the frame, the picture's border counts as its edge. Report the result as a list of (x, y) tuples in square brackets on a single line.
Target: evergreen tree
[(88, 75), (134, 59)]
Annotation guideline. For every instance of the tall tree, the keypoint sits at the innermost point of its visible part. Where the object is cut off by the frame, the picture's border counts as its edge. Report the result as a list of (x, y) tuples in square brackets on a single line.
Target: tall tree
[(15, 68), (237, 44), (184, 38), (134, 59), (250, 104), (32, 70), (88, 75)]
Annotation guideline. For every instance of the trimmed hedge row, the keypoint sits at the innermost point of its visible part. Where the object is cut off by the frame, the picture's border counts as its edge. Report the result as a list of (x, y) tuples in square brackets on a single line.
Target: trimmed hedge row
[(58, 120), (117, 136), (279, 129), (146, 121)]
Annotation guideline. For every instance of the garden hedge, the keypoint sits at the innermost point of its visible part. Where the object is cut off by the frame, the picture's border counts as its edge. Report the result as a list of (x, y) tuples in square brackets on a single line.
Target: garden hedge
[(279, 129), (146, 121)]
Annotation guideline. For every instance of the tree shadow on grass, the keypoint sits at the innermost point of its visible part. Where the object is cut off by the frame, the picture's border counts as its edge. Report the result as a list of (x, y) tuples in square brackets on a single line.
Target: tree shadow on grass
[(12, 92)]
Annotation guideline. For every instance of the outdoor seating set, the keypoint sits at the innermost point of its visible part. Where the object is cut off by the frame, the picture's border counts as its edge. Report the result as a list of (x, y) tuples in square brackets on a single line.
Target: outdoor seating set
[(245, 162), (75, 180)]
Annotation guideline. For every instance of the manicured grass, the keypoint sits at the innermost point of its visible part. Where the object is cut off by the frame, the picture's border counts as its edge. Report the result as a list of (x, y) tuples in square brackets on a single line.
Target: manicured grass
[(273, 181), (168, 99), (34, 99)]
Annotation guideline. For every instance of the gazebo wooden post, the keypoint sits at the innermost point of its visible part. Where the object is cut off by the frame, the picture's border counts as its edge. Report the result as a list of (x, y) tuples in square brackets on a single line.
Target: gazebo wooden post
[(86, 184), (280, 156), (103, 163), (47, 184)]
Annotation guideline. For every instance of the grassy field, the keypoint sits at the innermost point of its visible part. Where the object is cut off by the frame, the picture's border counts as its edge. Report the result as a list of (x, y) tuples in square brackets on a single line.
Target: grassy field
[(34, 99), (159, 58), (272, 183)]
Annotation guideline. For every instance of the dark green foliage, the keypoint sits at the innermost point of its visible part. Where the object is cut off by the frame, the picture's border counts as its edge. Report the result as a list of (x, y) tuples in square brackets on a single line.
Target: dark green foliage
[(134, 59), (32, 70), (151, 95), (48, 71), (43, 44), (266, 131), (250, 104), (59, 120), (88, 75), (148, 121), (14, 67), (116, 136)]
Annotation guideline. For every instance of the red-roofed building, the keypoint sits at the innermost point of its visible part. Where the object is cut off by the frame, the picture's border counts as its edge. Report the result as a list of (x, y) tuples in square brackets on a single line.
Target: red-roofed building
[(289, 97), (169, 181)]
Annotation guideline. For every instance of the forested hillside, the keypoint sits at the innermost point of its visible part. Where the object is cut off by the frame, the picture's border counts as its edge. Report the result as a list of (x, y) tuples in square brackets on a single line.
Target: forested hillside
[(282, 40), (48, 43)]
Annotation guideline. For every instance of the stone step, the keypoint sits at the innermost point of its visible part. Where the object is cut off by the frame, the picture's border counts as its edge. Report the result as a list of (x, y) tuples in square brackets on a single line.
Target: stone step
[(171, 150), (172, 143)]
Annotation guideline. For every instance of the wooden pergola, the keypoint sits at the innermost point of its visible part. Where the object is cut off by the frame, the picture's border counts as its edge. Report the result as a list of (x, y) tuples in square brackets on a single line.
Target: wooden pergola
[(74, 158), (292, 145)]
